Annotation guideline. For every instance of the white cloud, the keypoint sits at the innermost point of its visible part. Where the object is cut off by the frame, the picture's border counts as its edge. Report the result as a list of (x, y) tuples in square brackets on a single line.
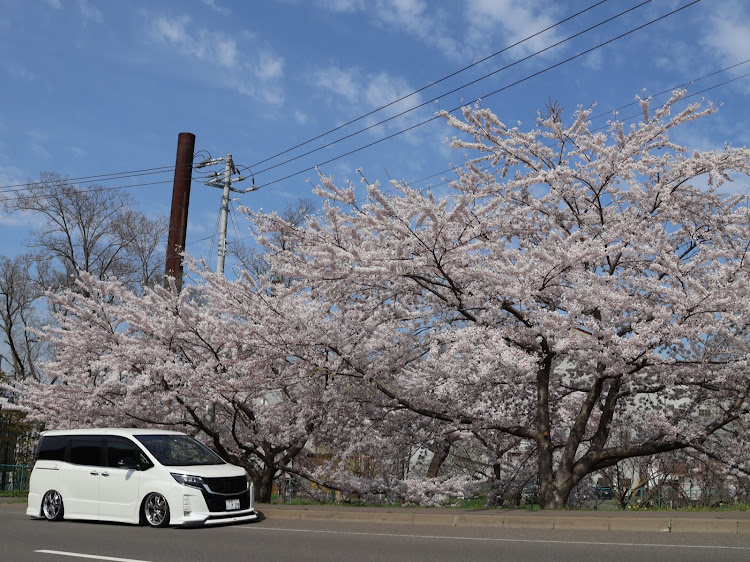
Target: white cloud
[(226, 52), (342, 6), (430, 25), (269, 92), (420, 19), (171, 30), (23, 220), (354, 92), (466, 37), (594, 61), (40, 150), (367, 92), (38, 136), (727, 36), (11, 175), (339, 81), (22, 72), (384, 89), (410, 13), (55, 4), (510, 21), (301, 118), (256, 73), (270, 66), (729, 32), (90, 12), (219, 9), (206, 46)]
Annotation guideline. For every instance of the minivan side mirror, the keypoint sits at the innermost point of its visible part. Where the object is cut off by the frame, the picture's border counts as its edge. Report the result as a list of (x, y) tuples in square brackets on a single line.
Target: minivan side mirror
[(129, 463)]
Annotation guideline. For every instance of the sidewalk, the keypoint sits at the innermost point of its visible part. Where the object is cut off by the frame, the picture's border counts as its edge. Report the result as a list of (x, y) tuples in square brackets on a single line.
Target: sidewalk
[(732, 522), (11, 499)]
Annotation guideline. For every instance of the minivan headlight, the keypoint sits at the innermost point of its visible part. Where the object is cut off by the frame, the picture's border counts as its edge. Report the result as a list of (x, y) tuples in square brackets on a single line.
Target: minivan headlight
[(188, 479)]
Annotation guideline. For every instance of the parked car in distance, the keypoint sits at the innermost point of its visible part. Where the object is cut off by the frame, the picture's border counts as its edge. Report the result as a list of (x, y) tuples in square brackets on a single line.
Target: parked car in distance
[(141, 476)]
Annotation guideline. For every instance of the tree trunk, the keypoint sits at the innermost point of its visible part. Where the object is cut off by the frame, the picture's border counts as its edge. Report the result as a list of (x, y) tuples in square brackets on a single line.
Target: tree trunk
[(551, 497), (264, 484), (555, 485), (555, 491), (440, 451)]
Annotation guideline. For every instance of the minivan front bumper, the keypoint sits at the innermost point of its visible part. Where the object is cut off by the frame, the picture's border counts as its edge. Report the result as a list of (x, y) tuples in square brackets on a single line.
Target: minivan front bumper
[(188, 506)]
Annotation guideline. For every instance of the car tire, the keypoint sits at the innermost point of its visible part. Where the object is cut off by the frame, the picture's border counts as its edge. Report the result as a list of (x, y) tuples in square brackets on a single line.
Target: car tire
[(155, 510), (52, 506)]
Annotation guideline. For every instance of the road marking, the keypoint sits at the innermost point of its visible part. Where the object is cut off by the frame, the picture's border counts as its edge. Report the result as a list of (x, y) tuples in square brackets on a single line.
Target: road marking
[(92, 556), (495, 539)]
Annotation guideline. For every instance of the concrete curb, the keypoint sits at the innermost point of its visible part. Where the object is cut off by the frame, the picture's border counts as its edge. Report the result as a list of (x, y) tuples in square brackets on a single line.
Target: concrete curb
[(723, 523), (734, 523), (13, 505)]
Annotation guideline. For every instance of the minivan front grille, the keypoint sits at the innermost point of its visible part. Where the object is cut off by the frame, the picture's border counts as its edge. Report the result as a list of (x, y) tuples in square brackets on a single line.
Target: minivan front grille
[(219, 503), (232, 485)]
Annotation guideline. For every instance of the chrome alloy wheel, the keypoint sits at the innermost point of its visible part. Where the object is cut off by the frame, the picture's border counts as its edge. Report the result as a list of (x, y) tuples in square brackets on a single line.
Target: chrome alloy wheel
[(52, 505), (156, 510)]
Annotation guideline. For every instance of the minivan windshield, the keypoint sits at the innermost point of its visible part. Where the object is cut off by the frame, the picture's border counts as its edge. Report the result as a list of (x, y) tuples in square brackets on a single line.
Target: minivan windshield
[(178, 450)]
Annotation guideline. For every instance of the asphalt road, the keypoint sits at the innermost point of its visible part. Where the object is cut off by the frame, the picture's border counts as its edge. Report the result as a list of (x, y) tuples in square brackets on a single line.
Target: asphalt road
[(23, 539)]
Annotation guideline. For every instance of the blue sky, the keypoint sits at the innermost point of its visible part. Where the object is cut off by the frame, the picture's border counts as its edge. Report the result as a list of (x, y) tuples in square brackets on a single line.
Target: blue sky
[(98, 87)]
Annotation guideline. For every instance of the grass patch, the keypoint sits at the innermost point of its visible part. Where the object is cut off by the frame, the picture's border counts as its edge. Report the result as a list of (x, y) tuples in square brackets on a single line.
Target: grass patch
[(739, 506), (19, 500), (14, 493), (454, 503), (480, 503)]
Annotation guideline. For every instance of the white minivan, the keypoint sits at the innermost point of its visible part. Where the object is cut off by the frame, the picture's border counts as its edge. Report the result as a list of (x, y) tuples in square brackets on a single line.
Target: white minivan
[(142, 476)]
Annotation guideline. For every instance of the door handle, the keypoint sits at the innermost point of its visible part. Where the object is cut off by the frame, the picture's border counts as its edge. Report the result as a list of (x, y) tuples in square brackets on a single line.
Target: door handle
[(94, 473), (105, 473)]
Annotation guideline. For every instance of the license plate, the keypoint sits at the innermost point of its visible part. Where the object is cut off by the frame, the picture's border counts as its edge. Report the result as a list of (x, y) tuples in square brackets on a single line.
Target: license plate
[(233, 504)]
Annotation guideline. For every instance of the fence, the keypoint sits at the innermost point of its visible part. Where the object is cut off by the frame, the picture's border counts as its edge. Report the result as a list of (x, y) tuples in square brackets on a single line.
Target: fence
[(14, 477)]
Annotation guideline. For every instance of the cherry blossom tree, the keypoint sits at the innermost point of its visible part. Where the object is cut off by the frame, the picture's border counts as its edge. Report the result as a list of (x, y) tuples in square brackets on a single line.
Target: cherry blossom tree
[(581, 298), (91, 229), (178, 360), (575, 284)]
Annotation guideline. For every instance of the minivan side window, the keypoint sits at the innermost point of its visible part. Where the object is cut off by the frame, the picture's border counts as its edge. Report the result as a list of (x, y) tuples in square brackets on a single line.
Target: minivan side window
[(86, 451), (52, 448), (119, 448)]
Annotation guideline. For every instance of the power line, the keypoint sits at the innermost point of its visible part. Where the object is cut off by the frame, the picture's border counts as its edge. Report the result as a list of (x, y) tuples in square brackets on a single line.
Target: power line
[(662, 92), (622, 119), (694, 94), (30, 186), (114, 176), (617, 109), (535, 74), (103, 177), (506, 87), (92, 190), (431, 84), (453, 91), (92, 179), (683, 85), (164, 169)]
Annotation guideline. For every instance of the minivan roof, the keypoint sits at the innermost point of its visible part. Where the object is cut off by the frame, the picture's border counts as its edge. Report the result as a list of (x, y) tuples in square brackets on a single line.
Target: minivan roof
[(123, 431)]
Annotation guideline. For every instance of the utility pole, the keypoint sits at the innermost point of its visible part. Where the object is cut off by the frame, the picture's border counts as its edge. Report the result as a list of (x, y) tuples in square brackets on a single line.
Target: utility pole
[(228, 167), (225, 182), (183, 170)]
